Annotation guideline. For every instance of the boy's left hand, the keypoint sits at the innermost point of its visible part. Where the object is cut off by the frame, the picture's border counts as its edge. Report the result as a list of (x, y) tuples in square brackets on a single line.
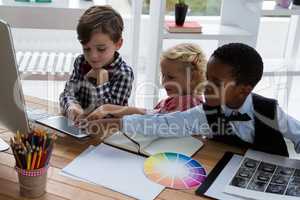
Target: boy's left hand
[(101, 75)]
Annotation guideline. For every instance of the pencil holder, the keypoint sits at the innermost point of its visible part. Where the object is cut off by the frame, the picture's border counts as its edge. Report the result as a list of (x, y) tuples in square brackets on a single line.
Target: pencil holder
[(32, 152), (32, 182)]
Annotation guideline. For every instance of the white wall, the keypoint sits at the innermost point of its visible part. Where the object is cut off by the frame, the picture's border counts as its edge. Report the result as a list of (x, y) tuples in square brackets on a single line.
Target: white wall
[(271, 39)]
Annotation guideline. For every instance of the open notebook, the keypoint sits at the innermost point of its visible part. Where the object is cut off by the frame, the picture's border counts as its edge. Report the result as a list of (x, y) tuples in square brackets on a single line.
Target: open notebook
[(154, 144)]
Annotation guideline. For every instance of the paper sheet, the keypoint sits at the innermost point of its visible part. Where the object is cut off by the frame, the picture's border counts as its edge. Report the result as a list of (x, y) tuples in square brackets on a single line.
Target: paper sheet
[(89, 149), (115, 169), (266, 177)]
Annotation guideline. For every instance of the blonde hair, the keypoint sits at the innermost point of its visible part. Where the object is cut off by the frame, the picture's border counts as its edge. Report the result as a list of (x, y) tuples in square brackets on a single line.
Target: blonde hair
[(192, 56)]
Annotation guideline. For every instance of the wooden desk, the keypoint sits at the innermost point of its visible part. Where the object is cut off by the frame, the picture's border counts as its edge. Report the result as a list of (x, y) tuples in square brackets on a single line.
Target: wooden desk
[(67, 148)]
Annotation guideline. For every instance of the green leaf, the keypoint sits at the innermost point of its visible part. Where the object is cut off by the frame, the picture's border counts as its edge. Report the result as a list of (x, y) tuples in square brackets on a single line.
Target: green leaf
[(181, 1)]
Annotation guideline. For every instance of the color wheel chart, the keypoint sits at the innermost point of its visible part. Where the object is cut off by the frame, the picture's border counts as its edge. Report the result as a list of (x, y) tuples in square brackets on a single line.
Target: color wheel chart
[(174, 170)]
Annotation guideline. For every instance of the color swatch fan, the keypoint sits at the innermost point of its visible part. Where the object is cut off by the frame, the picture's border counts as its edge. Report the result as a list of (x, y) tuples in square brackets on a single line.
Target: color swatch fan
[(174, 170)]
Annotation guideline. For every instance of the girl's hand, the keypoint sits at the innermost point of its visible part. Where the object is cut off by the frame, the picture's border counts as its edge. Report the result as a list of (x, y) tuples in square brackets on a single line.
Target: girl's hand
[(75, 112)]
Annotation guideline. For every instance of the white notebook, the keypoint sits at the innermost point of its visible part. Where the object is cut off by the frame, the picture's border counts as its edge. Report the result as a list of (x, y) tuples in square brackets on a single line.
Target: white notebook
[(151, 145)]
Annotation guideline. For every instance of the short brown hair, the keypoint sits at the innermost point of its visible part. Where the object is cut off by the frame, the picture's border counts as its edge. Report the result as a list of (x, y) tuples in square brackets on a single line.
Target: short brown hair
[(102, 19)]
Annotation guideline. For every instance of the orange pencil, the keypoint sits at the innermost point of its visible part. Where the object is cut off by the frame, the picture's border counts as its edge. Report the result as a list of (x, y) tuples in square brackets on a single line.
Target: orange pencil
[(39, 158), (34, 158)]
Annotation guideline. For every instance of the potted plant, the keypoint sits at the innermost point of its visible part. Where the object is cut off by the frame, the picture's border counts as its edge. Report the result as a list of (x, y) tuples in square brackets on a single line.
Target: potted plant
[(296, 2), (180, 12)]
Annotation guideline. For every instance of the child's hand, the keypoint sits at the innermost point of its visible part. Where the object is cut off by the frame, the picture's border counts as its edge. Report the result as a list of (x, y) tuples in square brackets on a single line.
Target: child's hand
[(75, 112), (99, 113), (91, 74), (101, 75)]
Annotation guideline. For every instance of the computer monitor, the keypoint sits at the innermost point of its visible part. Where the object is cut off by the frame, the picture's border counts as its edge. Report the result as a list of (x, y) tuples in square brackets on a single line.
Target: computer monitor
[(13, 114), (12, 104)]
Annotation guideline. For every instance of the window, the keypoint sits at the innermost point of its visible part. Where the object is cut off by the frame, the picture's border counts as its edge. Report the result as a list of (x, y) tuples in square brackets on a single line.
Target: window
[(196, 7)]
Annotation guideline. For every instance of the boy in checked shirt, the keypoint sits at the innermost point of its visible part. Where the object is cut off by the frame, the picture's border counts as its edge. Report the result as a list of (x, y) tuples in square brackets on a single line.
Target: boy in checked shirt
[(100, 75)]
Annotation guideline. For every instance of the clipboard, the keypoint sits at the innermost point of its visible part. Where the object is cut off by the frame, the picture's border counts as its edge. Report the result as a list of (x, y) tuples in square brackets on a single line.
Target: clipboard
[(203, 189), (214, 174)]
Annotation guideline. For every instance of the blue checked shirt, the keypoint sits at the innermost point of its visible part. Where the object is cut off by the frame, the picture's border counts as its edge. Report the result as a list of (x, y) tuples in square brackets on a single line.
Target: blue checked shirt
[(84, 91)]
